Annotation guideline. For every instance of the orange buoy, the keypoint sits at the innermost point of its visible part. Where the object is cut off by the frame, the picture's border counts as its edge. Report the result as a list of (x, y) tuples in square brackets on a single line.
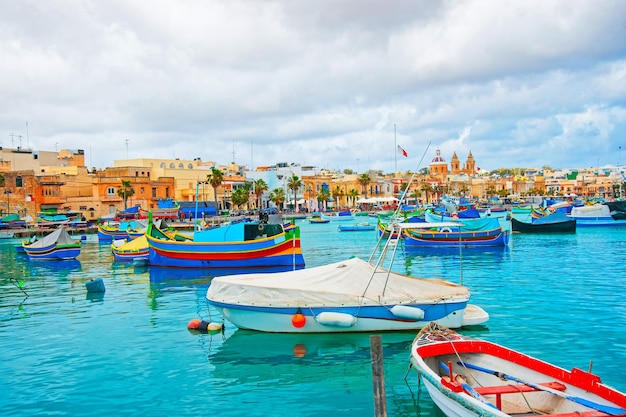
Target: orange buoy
[(298, 320), (194, 324)]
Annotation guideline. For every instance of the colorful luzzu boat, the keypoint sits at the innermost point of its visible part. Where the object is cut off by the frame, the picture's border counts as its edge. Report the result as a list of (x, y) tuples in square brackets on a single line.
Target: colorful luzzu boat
[(58, 245), (234, 245)]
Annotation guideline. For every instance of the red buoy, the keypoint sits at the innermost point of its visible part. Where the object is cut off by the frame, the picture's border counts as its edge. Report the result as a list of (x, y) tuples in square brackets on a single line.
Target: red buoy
[(298, 320), (194, 324)]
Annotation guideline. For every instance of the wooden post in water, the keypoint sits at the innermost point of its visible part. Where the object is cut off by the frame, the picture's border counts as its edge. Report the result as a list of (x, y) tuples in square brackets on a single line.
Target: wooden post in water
[(378, 376)]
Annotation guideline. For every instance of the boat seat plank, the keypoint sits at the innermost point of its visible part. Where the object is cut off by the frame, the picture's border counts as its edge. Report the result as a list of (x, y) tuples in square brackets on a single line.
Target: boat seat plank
[(578, 414), (512, 389), (498, 390)]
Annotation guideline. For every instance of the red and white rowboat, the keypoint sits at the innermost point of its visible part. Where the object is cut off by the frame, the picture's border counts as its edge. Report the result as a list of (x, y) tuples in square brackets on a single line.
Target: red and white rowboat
[(470, 377)]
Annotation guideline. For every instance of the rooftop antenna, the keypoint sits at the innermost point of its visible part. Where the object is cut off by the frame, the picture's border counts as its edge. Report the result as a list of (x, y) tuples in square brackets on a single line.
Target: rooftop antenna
[(126, 140), (233, 152)]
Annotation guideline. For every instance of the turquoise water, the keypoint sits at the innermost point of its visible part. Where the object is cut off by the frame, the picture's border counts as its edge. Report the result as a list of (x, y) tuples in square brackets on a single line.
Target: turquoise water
[(560, 298)]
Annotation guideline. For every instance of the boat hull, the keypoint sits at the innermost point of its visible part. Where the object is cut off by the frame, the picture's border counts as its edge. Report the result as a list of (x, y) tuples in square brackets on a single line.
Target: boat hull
[(600, 221), (366, 318), (274, 251), (454, 239), (54, 252), (568, 226)]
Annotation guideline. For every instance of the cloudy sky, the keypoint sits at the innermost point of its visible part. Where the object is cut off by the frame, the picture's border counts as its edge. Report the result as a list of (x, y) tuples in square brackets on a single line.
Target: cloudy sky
[(323, 83)]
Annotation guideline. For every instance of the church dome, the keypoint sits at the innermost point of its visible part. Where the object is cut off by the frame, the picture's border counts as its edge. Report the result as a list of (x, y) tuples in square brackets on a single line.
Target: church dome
[(438, 159)]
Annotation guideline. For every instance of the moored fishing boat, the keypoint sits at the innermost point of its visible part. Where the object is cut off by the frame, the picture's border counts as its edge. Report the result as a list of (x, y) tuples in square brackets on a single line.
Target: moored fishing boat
[(121, 230), (57, 245), (131, 250), (452, 235), (597, 215), (346, 296), (470, 377), (316, 218), (233, 245), (556, 222)]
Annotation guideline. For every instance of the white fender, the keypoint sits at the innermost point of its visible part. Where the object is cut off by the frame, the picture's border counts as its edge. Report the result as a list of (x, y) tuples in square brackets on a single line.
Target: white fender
[(330, 318), (406, 312)]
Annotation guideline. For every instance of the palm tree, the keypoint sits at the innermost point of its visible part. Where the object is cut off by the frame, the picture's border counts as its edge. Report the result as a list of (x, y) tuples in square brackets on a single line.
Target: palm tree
[(277, 196), (353, 194), (260, 187), (125, 192), (294, 183), (240, 196), (215, 178), (416, 194), (337, 194), (364, 180), (323, 197), (427, 189)]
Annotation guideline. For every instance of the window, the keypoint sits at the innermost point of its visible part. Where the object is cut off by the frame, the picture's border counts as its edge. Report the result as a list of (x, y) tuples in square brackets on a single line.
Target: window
[(18, 181), (172, 165), (190, 166), (154, 192), (167, 192), (111, 191), (163, 165), (181, 166), (142, 190)]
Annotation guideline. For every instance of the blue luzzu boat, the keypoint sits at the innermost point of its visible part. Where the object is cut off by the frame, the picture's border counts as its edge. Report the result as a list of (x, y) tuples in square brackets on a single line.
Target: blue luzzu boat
[(452, 235), (57, 245)]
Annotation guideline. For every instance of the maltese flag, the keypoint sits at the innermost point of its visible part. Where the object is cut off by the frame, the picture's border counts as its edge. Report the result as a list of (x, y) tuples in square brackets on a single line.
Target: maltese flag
[(402, 151)]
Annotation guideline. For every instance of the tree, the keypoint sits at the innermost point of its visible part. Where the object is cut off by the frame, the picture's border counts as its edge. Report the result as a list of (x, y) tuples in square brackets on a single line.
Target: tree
[(323, 197), (364, 180), (427, 189), (277, 196), (215, 178), (260, 187), (125, 192), (240, 196), (353, 194), (337, 194), (294, 183)]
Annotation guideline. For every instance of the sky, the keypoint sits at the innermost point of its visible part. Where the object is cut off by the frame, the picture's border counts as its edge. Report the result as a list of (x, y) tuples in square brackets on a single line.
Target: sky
[(333, 84)]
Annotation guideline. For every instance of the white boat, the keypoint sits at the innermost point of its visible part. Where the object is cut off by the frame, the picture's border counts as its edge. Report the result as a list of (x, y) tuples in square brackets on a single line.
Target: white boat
[(348, 296), (596, 215), (470, 377)]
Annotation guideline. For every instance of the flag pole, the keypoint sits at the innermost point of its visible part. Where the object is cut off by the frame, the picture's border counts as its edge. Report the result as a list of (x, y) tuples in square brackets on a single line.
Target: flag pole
[(395, 147)]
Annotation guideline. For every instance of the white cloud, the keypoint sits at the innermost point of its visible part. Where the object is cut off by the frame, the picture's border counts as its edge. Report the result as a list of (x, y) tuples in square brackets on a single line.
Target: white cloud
[(317, 83)]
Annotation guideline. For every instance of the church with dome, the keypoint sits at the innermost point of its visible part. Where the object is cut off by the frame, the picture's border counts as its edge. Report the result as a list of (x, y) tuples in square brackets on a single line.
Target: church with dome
[(440, 168)]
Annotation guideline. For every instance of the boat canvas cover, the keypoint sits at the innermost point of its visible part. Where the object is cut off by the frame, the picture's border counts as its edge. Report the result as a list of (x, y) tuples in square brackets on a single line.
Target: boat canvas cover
[(59, 236), (597, 210), (338, 284), (468, 225), (137, 244)]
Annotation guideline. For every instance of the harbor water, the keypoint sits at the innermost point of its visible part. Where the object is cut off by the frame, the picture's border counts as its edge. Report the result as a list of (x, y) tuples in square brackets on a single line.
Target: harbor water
[(126, 352)]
